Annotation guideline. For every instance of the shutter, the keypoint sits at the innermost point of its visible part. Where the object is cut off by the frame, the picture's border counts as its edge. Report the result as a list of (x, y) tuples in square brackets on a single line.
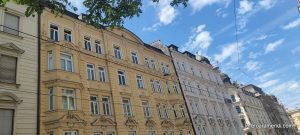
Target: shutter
[(11, 23), (6, 121), (8, 66)]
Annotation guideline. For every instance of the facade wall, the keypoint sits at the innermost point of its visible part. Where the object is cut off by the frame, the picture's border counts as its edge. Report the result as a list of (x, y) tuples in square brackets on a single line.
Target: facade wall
[(295, 117), (204, 93), (81, 119), (19, 96), (250, 110)]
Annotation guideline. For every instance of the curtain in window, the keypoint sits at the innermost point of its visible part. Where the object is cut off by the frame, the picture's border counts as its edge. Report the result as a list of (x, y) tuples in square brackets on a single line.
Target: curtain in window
[(8, 66), (11, 23), (6, 121)]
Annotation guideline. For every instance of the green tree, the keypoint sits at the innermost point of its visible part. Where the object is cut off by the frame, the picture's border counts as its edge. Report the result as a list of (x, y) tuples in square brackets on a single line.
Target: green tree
[(107, 13)]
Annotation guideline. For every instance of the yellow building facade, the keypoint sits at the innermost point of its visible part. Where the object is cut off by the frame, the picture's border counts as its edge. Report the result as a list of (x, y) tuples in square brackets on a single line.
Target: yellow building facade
[(101, 82)]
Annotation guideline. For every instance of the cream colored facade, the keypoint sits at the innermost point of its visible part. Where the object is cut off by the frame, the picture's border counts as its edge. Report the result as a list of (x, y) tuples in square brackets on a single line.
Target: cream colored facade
[(18, 71), (204, 93), (73, 83), (295, 117), (251, 112)]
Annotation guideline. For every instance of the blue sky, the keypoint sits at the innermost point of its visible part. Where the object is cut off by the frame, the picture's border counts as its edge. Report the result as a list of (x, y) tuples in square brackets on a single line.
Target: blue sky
[(268, 54)]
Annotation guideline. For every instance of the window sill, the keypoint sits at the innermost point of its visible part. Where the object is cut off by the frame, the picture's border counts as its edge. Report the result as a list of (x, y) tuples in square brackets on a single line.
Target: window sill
[(10, 84), (9, 34)]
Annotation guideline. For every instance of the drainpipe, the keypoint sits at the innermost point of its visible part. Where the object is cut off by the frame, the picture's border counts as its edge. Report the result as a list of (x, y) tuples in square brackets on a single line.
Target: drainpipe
[(39, 75), (182, 92)]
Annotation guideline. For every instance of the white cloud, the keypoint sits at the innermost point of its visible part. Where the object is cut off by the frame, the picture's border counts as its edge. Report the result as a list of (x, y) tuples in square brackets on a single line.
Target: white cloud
[(252, 65), (297, 66), (287, 86), (272, 46), (268, 84), (199, 41), (295, 50), (226, 52), (292, 24), (221, 13), (154, 27), (78, 4), (197, 5), (262, 37), (245, 7), (267, 4), (167, 14), (253, 55), (264, 76)]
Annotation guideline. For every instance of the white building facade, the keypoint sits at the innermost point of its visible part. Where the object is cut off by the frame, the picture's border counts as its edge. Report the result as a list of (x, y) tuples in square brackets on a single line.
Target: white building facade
[(18, 71), (204, 93), (253, 116)]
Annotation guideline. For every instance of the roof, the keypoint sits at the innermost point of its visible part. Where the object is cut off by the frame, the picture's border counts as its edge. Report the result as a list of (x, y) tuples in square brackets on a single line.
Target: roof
[(154, 48), (190, 54)]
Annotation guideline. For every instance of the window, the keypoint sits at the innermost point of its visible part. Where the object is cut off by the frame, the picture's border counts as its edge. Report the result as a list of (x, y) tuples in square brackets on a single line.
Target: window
[(102, 74), (70, 133), (163, 68), (146, 108), (50, 133), (68, 35), (11, 23), (50, 100), (233, 98), (6, 121), (151, 133), (50, 60), (90, 71), (183, 67), (117, 52), (134, 58), (238, 109), (98, 47), (98, 133), (182, 110), (140, 83), (152, 64), (106, 106), (87, 44), (54, 32), (127, 107), (178, 65), (158, 86), (174, 111), (175, 87), (168, 87), (131, 133), (94, 104), (166, 113), (68, 99), (8, 68), (147, 62), (152, 85), (192, 70), (168, 69), (197, 107), (122, 78), (159, 111), (192, 107), (66, 63)]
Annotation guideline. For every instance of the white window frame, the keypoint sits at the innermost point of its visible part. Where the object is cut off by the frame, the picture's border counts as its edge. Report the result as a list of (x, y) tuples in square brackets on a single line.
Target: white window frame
[(71, 133), (106, 106), (51, 98), (146, 109), (95, 110), (50, 60), (122, 78), (159, 111), (55, 32), (139, 81), (175, 87), (68, 96), (168, 87), (166, 112), (152, 83), (68, 36), (181, 107), (87, 43), (90, 72), (66, 62), (102, 74), (127, 107), (117, 52), (174, 111), (134, 57), (159, 89), (99, 47)]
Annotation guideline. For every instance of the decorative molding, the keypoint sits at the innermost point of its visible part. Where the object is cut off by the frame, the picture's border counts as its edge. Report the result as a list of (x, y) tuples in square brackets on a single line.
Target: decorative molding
[(103, 122), (71, 119), (13, 98), (150, 123), (12, 47), (167, 124), (131, 123)]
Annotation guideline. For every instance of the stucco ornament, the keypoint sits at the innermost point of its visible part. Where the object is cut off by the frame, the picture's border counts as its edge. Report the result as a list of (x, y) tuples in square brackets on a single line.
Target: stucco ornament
[(131, 123)]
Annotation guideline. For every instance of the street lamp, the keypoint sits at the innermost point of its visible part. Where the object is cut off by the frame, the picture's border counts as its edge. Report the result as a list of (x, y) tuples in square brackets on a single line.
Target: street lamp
[(299, 5)]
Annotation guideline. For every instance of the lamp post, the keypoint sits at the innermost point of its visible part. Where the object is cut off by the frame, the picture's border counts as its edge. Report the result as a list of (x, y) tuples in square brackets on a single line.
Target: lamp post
[(299, 5)]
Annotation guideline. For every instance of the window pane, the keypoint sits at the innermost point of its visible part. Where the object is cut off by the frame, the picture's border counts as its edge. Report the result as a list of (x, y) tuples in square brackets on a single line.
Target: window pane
[(6, 121), (11, 23), (8, 66)]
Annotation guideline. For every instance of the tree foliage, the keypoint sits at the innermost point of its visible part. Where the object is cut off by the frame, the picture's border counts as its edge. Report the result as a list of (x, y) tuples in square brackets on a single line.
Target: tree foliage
[(107, 13)]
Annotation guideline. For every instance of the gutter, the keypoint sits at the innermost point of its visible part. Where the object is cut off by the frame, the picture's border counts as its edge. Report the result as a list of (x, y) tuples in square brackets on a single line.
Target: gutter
[(188, 110), (39, 75)]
